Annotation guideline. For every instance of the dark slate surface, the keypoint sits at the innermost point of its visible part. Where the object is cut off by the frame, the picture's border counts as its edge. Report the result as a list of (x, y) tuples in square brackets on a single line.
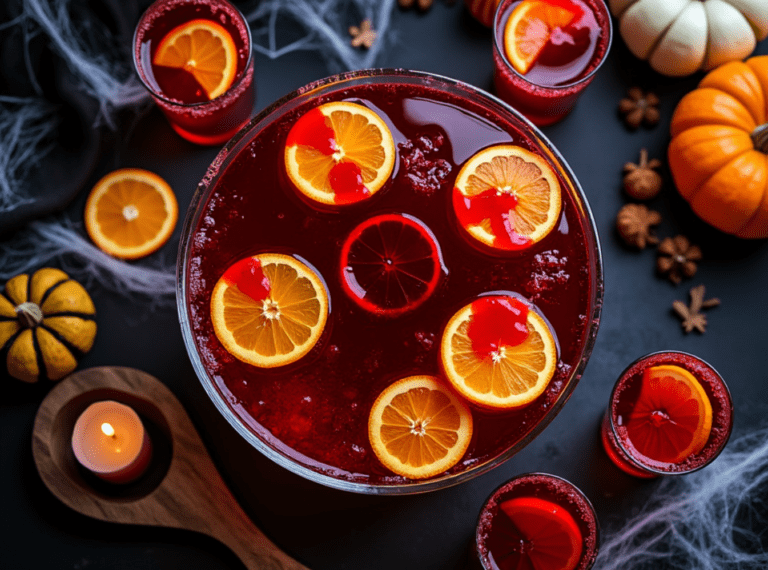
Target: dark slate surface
[(329, 529)]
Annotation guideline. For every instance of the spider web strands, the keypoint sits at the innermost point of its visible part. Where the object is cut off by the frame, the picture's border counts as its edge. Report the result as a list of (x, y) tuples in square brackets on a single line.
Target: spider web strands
[(106, 77), (42, 241), (713, 519), (27, 125), (326, 25)]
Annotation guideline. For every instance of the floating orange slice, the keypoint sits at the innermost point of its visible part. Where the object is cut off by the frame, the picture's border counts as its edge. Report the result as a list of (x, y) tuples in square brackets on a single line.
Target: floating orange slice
[(130, 213), (339, 153), (269, 310), (498, 353), (507, 197), (203, 48), (672, 417), (529, 28), (418, 428), (541, 535)]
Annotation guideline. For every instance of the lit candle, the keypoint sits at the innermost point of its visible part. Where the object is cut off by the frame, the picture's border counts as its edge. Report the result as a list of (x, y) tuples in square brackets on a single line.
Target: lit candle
[(110, 440)]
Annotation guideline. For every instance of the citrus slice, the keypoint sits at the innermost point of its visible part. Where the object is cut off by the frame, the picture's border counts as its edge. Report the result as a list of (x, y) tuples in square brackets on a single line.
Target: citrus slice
[(203, 48), (269, 309), (672, 417), (507, 198), (418, 428), (530, 27), (339, 153), (390, 264), (498, 353), (541, 535), (130, 213)]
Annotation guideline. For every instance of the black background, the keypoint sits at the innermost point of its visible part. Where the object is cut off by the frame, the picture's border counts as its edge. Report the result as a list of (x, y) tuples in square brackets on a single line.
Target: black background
[(327, 529)]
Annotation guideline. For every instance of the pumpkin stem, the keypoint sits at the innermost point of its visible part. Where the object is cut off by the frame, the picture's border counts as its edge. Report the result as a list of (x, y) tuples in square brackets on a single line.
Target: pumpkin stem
[(29, 314), (760, 138)]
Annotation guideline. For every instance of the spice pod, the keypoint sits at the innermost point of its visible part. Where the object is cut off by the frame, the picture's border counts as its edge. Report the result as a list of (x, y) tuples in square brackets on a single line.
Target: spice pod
[(181, 488)]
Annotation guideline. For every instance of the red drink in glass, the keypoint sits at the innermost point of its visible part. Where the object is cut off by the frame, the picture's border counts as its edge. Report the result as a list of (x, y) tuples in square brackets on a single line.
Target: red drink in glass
[(537, 521), (566, 65), (185, 103), (312, 415), (643, 415)]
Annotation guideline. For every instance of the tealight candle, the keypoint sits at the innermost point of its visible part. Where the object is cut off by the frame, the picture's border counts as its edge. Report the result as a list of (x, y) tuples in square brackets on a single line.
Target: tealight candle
[(110, 441)]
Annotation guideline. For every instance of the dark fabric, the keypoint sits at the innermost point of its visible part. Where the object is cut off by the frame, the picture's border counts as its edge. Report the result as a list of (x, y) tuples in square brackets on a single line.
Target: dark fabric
[(37, 70)]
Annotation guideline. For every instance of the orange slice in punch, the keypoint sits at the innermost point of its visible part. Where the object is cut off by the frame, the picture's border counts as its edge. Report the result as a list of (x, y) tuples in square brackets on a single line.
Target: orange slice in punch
[(339, 153), (269, 310), (507, 198), (204, 49), (541, 535), (672, 417), (390, 264), (529, 28), (130, 213), (498, 353), (418, 428)]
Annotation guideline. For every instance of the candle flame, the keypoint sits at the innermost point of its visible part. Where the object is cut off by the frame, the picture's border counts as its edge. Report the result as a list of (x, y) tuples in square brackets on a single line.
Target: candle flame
[(108, 430)]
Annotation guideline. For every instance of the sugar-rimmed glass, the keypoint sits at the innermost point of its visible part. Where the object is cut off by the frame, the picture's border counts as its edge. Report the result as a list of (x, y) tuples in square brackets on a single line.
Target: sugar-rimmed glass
[(209, 122)]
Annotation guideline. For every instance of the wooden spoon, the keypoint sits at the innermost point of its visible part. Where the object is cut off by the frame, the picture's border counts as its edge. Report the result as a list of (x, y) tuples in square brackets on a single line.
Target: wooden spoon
[(181, 489)]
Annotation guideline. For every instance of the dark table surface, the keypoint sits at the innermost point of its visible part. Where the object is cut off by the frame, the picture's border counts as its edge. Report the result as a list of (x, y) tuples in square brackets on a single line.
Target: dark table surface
[(324, 528)]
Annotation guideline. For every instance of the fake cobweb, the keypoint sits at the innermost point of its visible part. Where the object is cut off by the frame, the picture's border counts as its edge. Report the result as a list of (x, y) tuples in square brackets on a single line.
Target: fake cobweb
[(325, 26), (42, 241), (28, 125), (713, 519)]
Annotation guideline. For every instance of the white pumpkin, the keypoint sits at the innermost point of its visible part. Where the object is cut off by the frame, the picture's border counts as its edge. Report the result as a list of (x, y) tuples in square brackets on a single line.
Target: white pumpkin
[(680, 37)]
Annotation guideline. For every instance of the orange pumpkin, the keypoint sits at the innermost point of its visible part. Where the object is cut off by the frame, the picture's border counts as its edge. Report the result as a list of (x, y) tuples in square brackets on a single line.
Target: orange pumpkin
[(719, 149)]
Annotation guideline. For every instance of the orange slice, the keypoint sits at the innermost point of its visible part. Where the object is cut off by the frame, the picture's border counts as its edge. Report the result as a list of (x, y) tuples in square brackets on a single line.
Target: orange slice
[(529, 28), (418, 428), (542, 535), (507, 197), (269, 309), (203, 48), (130, 213), (672, 417), (339, 153), (498, 353)]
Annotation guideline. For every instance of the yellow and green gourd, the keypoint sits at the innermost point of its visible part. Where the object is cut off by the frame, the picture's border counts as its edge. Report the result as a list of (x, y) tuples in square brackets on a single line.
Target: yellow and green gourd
[(47, 322)]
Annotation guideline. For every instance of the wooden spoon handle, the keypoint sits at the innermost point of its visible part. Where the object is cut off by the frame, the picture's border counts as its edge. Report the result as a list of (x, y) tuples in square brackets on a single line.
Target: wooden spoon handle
[(254, 549), (194, 487)]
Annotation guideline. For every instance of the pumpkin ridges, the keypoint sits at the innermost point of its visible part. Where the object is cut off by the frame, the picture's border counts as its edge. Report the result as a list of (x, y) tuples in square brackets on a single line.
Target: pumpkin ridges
[(709, 106), (43, 281), (57, 360), (86, 330), (68, 296), (671, 57), (759, 65), (7, 331), (47, 293), (16, 289), (18, 360), (697, 153), (739, 80), (732, 195), (7, 309)]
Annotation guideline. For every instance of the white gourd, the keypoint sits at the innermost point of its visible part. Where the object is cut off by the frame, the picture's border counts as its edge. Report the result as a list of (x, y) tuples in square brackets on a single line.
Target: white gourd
[(680, 37), (730, 35), (682, 49)]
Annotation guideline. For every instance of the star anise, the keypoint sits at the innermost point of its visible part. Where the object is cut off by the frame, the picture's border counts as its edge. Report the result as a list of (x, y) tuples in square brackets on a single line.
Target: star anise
[(634, 223), (677, 258), (422, 5), (641, 181), (639, 108), (692, 316), (364, 35)]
